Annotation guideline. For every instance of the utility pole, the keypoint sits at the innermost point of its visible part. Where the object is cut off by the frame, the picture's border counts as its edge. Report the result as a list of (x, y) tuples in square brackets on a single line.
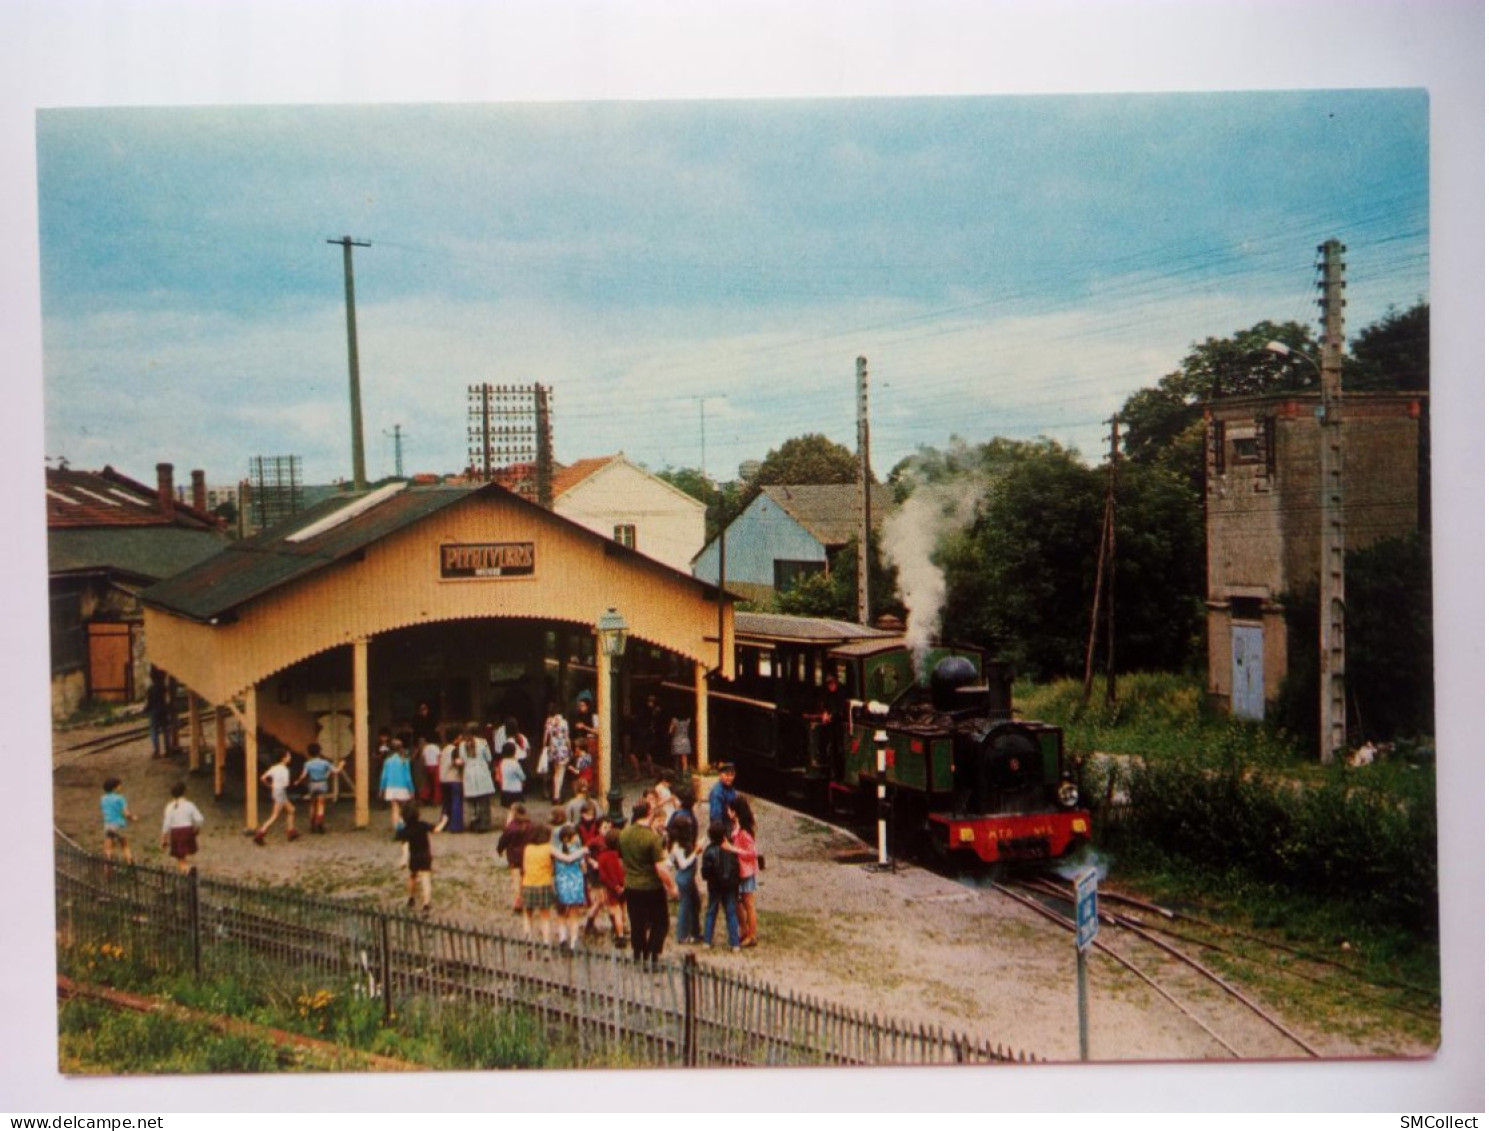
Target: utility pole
[(543, 410), (397, 450), (1104, 604), (1331, 701), (864, 522), (359, 461)]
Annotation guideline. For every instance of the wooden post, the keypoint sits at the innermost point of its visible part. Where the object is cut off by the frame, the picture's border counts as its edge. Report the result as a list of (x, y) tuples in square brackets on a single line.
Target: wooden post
[(604, 721), (194, 751), (251, 757), (220, 754), (361, 740), (700, 715)]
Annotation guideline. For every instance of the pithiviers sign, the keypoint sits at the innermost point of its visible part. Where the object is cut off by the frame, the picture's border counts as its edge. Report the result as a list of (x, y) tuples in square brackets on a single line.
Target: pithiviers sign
[(486, 559)]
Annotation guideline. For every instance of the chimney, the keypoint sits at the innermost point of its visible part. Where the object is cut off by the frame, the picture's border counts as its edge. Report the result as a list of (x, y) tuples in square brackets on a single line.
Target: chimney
[(165, 489), (199, 490)]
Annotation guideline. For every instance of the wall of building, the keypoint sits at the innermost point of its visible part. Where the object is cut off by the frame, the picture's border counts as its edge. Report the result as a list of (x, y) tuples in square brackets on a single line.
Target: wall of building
[(397, 584), (1263, 514), (758, 538), (669, 524)]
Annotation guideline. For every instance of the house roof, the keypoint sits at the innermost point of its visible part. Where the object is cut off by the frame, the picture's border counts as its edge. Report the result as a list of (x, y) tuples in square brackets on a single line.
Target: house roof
[(335, 530), (142, 553), (829, 511), (567, 478), (108, 498)]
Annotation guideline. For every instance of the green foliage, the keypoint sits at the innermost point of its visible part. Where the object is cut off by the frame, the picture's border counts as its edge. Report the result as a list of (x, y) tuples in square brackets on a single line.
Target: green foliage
[(1343, 838), (1021, 578), (724, 500), (834, 593), (812, 458), (1388, 646), (96, 1038), (487, 1038), (1155, 418), (1394, 353)]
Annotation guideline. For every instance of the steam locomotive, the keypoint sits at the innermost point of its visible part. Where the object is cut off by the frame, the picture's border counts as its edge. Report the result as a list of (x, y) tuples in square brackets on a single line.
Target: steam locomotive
[(814, 702)]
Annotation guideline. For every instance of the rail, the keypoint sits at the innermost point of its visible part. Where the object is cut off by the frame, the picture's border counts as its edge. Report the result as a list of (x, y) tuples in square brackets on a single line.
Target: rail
[(680, 1014)]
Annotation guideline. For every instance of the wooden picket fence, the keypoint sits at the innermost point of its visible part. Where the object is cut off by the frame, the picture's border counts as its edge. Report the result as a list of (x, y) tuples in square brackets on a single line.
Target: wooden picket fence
[(681, 1013)]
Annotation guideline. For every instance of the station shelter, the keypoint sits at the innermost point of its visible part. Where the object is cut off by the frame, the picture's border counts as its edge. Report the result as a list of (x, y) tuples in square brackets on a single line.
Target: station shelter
[(469, 600)]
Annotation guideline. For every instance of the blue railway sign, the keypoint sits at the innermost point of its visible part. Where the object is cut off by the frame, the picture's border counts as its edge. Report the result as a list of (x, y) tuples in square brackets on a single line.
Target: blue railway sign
[(1086, 924)]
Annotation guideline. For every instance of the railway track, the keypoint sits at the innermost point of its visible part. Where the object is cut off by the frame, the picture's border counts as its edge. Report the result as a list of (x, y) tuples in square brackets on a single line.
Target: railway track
[(1146, 941)]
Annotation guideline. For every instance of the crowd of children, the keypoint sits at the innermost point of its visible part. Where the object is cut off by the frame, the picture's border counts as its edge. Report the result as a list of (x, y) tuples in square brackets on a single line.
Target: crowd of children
[(573, 874)]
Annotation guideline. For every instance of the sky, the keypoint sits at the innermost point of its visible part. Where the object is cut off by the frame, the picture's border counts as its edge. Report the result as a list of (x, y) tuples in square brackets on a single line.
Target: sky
[(694, 279), (1008, 267)]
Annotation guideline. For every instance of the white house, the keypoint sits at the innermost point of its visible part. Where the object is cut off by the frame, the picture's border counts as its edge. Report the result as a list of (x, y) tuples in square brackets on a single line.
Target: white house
[(614, 497)]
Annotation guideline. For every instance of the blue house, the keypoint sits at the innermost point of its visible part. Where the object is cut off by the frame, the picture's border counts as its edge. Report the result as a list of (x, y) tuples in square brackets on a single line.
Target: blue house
[(787, 532)]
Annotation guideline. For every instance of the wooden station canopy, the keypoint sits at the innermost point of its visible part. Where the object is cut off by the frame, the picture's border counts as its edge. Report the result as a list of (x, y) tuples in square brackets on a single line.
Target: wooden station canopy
[(356, 567)]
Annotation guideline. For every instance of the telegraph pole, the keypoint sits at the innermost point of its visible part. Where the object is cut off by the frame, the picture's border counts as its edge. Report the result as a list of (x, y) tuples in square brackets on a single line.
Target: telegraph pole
[(397, 450), (1331, 712), (359, 461), (864, 519), (1106, 584)]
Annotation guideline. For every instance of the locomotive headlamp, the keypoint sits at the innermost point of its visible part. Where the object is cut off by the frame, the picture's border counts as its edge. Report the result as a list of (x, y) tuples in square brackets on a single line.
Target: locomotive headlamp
[(1068, 793)]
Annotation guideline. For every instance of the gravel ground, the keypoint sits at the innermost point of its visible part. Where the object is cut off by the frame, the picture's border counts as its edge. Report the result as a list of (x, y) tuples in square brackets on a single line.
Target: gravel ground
[(911, 945)]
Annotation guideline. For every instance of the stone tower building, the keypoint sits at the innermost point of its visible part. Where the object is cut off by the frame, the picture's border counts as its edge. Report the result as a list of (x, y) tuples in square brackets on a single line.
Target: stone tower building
[(1263, 506)]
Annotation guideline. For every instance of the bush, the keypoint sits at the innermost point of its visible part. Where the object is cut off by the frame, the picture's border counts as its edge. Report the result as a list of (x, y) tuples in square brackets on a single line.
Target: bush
[(1362, 840)]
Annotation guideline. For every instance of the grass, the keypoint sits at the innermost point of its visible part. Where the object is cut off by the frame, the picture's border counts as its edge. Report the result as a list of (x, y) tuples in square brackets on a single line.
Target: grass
[(1233, 819)]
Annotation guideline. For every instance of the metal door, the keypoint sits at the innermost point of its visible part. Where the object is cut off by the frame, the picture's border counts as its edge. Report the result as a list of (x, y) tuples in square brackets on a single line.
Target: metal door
[(1247, 689)]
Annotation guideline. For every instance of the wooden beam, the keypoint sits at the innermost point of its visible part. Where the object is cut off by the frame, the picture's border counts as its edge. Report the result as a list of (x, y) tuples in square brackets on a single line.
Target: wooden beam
[(700, 715), (361, 739), (249, 719)]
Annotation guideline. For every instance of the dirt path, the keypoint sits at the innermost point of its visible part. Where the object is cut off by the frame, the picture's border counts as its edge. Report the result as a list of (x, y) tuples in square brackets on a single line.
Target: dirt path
[(910, 945)]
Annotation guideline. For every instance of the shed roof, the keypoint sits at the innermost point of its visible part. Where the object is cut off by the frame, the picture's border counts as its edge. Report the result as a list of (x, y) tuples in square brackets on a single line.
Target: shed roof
[(804, 630), (829, 511), (295, 549), (147, 553)]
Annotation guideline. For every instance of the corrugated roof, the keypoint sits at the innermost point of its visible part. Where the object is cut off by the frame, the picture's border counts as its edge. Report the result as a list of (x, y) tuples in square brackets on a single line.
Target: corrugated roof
[(829, 511), (814, 630), (256, 566)]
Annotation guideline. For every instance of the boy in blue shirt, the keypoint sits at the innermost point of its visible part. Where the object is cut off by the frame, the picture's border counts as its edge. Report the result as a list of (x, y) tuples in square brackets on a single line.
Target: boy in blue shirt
[(116, 818), (317, 772)]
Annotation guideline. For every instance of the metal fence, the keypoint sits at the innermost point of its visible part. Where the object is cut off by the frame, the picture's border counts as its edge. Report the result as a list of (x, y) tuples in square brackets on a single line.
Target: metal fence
[(612, 1010)]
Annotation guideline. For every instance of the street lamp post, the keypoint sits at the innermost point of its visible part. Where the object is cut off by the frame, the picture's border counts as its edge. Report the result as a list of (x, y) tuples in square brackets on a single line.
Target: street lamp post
[(611, 631)]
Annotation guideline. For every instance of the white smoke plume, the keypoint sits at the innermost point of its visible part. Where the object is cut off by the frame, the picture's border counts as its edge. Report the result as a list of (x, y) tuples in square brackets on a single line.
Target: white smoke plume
[(910, 536)]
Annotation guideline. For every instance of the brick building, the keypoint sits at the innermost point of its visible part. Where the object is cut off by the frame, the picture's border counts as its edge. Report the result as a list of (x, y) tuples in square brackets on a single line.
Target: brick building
[(1263, 509)]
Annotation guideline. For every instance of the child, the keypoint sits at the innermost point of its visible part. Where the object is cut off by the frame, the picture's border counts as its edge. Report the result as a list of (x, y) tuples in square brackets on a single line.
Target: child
[(537, 881), (277, 778), (721, 874), (317, 772), (116, 818), (511, 844), (178, 830), (415, 832), (568, 884), (612, 872), (743, 846), (683, 856), (452, 779), (397, 782), (513, 776)]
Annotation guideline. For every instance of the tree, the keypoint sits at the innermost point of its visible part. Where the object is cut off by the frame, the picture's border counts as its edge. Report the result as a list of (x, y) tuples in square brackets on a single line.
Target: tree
[(1394, 353), (1020, 579), (1388, 645), (724, 500), (1160, 418), (812, 458), (834, 592)]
